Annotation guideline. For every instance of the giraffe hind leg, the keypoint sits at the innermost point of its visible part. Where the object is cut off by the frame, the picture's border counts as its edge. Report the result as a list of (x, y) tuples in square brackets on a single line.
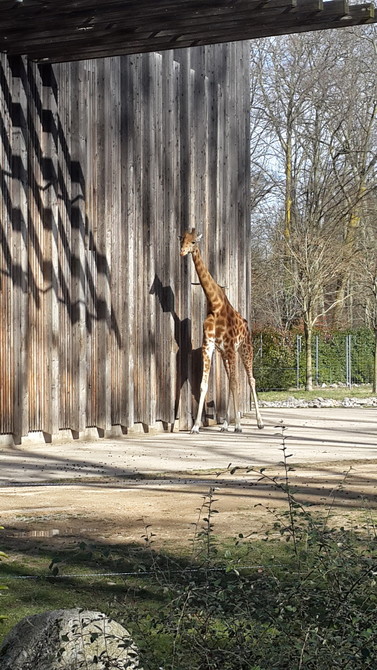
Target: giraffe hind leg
[(246, 352), (230, 365), (225, 425)]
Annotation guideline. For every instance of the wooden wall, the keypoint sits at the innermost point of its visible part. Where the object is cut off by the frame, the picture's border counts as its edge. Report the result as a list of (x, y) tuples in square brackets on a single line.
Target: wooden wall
[(103, 163)]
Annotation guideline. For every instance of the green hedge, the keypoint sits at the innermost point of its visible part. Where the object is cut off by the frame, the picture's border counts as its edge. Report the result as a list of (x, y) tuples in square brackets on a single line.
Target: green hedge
[(274, 359), (276, 362)]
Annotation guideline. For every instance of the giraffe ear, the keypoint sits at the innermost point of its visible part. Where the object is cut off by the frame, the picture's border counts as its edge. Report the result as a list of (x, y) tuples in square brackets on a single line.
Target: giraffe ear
[(199, 237)]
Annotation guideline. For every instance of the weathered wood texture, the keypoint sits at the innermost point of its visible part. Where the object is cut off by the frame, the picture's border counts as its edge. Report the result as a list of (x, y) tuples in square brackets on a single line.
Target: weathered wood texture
[(103, 164), (51, 31)]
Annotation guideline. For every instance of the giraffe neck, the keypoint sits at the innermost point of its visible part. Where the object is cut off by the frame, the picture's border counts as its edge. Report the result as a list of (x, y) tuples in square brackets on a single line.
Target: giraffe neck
[(211, 288)]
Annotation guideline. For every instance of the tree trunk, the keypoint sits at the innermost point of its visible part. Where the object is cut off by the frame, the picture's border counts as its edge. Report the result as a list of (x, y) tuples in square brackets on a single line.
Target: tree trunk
[(288, 189), (309, 360), (348, 252), (374, 389)]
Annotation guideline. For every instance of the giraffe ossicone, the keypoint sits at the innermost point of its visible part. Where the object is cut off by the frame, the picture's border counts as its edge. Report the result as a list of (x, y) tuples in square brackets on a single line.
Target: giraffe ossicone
[(227, 331)]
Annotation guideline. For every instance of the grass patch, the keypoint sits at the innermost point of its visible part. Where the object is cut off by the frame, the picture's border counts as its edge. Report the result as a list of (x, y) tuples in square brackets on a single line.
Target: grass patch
[(339, 393), (82, 575)]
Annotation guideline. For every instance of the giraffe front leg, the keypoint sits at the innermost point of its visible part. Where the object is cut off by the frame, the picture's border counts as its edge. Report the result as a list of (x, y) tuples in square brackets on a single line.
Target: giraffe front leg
[(207, 352)]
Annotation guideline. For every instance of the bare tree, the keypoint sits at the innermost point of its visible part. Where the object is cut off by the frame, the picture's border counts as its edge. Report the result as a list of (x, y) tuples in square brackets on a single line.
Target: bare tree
[(314, 262), (353, 148), (366, 277), (320, 140)]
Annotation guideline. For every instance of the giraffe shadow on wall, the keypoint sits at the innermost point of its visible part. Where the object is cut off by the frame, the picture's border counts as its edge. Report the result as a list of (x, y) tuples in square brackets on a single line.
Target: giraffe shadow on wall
[(189, 360)]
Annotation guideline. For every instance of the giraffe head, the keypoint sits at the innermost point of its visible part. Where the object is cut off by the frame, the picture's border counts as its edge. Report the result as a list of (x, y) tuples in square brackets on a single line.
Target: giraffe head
[(189, 241)]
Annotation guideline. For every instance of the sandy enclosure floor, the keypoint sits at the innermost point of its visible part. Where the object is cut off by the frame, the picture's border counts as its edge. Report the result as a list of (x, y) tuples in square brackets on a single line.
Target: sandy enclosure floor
[(109, 491)]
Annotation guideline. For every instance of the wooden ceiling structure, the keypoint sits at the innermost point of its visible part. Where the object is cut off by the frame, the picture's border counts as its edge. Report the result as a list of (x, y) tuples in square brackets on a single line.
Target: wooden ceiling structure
[(66, 30)]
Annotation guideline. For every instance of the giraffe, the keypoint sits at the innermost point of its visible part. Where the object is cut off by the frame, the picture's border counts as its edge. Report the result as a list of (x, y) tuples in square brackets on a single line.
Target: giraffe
[(224, 329)]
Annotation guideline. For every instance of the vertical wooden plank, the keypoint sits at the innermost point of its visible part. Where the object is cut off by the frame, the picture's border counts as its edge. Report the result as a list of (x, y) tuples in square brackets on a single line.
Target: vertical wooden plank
[(224, 234), (145, 209), (6, 403), (198, 303), (128, 273), (116, 237), (65, 250), (91, 268), (143, 213), (79, 245), (9, 342), (180, 321), (171, 324), (17, 239), (42, 180), (244, 161), (232, 174), (106, 220), (141, 208), (159, 280), (243, 114), (187, 375), (62, 275), (39, 410), (101, 269), (139, 223), (199, 118), (153, 220), (48, 95), (12, 201), (230, 169)]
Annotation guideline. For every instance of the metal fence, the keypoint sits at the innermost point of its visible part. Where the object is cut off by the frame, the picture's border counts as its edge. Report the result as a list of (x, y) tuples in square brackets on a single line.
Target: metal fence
[(345, 358)]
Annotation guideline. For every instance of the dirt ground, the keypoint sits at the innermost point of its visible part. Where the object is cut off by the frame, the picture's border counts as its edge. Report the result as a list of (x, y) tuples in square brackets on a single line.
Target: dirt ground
[(116, 511), (335, 470)]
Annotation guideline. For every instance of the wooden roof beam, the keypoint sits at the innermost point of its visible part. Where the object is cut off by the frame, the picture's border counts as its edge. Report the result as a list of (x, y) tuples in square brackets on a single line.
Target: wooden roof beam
[(51, 31)]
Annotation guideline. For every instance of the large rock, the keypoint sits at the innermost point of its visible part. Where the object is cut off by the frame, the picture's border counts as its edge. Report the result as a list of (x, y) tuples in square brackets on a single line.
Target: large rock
[(68, 640)]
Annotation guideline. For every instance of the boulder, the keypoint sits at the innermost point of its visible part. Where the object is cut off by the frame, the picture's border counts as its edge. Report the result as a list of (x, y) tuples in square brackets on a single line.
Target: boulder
[(68, 640)]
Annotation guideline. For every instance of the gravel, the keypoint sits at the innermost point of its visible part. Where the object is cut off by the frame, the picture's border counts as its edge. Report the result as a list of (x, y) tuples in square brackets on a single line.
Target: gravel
[(320, 402)]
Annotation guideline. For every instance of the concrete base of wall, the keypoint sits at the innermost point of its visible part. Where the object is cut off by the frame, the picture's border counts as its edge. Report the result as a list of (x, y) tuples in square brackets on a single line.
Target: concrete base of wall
[(89, 434)]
